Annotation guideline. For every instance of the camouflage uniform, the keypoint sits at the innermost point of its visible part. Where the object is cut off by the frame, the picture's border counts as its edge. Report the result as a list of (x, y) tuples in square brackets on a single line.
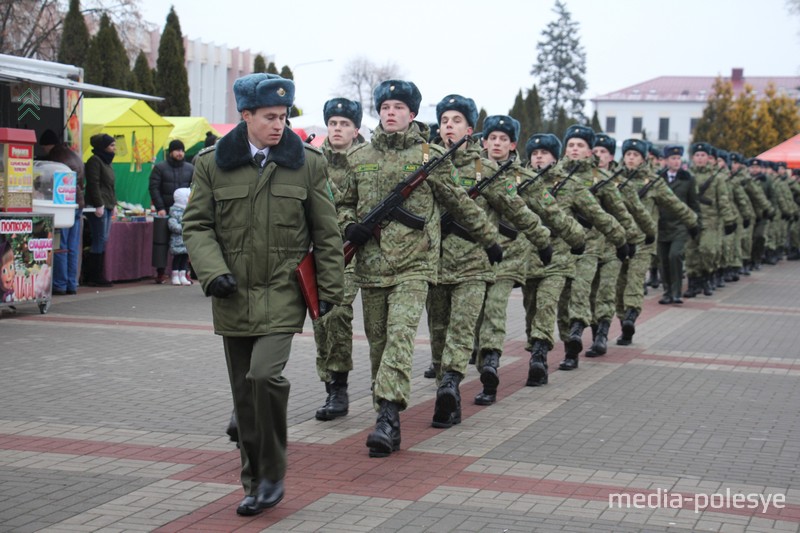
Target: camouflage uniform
[(731, 251), (394, 273), (788, 212), (454, 303), (760, 191), (334, 332), (794, 227), (745, 223)]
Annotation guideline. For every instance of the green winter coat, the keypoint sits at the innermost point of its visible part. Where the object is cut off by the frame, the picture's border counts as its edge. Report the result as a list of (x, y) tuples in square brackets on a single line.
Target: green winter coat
[(716, 207), (403, 253), (257, 224)]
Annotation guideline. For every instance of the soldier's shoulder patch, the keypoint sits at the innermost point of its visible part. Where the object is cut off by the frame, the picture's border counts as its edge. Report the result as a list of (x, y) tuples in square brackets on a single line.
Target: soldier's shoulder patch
[(311, 148), (467, 182), (206, 150), (454, 175), (411, 167), (367, 167), (328, 187), (547, 198), (588, 182), (511, 189)]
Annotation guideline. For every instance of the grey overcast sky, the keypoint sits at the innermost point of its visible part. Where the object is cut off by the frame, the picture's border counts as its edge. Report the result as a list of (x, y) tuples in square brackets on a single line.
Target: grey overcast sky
[(485, 50)]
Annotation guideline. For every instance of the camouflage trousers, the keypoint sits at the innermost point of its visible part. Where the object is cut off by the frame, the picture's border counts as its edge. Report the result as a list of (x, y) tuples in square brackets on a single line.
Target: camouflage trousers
[(453, 312), (540, 298), (731, 249), (776, 235), (794, 235), (391, 320), (703, 254), (333, 334), (746, 242), (630, 284), (603, 294), (492, 322), (579, 305)]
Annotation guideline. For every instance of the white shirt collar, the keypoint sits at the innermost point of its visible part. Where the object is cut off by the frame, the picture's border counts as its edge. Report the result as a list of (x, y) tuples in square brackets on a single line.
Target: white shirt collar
[(254, 151)]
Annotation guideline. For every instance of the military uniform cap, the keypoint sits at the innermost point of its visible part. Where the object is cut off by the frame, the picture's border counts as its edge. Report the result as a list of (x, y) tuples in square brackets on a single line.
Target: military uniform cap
[(782, 164), (581, 132), (405, 91), (673, 149), (543, 141), (604, 141), (754, 161), (456, 102), (508, 125), (736, 157), (637, 145), (653, 150), (700, 147), (342, 107), (723, 154), (263, 90)]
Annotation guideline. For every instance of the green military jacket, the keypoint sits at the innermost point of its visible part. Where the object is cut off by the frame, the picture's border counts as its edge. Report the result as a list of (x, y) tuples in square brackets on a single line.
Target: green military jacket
[(611, 200), (758, 197), (403, 253), (257, 223), (641, 215), (673, 206), (567, 183), (463, 260), (784, 197), (566, 233), (741, 198), (716, 207)]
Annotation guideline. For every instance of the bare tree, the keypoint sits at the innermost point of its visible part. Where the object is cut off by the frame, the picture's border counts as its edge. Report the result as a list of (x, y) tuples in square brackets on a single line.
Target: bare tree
[(361, 75), (32, 28)]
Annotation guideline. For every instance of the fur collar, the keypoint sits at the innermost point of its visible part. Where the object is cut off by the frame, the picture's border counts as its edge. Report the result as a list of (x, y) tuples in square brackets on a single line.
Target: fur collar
[(233, 150)]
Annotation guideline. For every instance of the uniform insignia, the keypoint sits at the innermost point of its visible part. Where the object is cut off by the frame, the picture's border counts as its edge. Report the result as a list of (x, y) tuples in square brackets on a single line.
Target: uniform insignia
[(281, 91), (391, 87), (411, 167), (454, 175), (547, 198), (367, 167), (511, 189), (330, 191), (467, 182), (339, 105)]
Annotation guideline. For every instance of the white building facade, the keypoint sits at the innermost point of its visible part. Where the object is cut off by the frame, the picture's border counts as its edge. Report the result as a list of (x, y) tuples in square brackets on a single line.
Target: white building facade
[(666, 109)]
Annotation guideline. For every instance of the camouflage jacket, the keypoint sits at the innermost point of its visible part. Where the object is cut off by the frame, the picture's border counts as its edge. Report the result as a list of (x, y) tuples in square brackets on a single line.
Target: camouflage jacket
[(568, 183), (758, 197), (716, 207), (741, 198), (611, 200), (784, 197), (641, 215), (665, 202), (403, 253)]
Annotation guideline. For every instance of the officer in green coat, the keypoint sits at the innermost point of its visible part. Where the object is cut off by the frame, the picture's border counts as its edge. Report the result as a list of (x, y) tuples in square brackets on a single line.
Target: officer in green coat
[(334, 334), (260, 198)]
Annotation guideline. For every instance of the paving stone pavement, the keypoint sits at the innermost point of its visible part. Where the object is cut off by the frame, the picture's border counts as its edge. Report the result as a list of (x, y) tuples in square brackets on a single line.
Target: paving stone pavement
[(113, 408)]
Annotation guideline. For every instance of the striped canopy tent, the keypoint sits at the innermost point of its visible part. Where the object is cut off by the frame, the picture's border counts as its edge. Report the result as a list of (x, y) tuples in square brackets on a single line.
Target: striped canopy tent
[(140, 133), (788, 151)]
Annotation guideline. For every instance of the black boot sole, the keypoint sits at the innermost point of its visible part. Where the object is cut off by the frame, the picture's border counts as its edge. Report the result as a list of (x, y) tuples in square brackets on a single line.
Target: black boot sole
[(445, 407), (536, 377), (489, 378), (379, 447), (329, 415)]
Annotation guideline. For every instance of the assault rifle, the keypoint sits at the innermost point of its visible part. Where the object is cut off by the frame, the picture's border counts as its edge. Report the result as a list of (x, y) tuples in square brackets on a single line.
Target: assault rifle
[(643, 191), (582, 220), (631, 174), (449, 225), (701, 192), (530, 181), (389, 207), (596, 187)]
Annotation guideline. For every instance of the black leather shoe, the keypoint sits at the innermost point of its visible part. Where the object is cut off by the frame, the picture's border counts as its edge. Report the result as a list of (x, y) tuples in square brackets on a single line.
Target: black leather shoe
[(677, 300), (248, 507), (666, 300), (269, 493), (430, 373), (483, 398)]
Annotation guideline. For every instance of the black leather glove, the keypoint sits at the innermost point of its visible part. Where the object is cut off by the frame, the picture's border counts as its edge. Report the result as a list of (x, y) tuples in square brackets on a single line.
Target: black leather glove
[(546, 254), (730, 228), (578, 250), (694, 231), (222, 286), (787, 218), (650, 239), (631, 250), (746, 223), (324, 308), (622, 252), (357, 234), (495, 253), (769, 216)]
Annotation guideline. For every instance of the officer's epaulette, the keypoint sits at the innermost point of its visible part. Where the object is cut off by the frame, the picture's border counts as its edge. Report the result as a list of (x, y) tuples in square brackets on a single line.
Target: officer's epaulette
[(206, 150), (312, 148), (355, 148)]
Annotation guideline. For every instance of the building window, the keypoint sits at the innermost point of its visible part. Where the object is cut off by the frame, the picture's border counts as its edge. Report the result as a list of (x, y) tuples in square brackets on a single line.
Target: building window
[(611, 124), (663, 129), (637, 125), (693, 124)]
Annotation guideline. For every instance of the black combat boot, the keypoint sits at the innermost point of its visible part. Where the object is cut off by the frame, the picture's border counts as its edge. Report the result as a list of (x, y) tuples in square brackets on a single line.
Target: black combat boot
[(537, 368), (734, 274), (385, 438), (430, 373), (575, 340), (490, 378), (233, 429), (770, 257), (653, 281), (708, 284), (720, 279), (337, 403), (691, 289), (474, 356), (794, 254), (600, 344), (628, 327), (447, 410)]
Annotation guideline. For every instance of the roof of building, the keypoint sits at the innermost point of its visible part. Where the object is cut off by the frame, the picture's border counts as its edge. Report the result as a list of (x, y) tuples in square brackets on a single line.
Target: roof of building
[(698, 88)]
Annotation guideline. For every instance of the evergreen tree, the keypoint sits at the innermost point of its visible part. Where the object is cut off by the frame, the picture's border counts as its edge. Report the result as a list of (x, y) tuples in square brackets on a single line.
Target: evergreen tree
[(558, 127), (717, 120), (767, 134), (519, 112), (533, 110), (107, 61), (74, 38), (595, 123), (271, 68), (482, 114), (744, 138), (143, 75), (259, 64), (784, 113), (561, 66), (172, 80), (286, 72)]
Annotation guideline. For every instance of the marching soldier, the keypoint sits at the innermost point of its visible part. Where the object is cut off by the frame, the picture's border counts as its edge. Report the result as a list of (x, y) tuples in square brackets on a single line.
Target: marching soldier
[(739, 180)]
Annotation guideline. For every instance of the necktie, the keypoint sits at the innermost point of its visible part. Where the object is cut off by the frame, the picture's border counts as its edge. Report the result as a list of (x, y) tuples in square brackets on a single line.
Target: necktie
[(671, 177), (259, 158)]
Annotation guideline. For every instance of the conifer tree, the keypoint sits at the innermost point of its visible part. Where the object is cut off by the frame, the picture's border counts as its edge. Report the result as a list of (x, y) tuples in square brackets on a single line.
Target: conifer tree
[(172, 80), (481, 117), (271, 68), (259, 64), (286, 72), (75, 37), (533, 109), (143, 75), (107, 61), (595, 123)]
